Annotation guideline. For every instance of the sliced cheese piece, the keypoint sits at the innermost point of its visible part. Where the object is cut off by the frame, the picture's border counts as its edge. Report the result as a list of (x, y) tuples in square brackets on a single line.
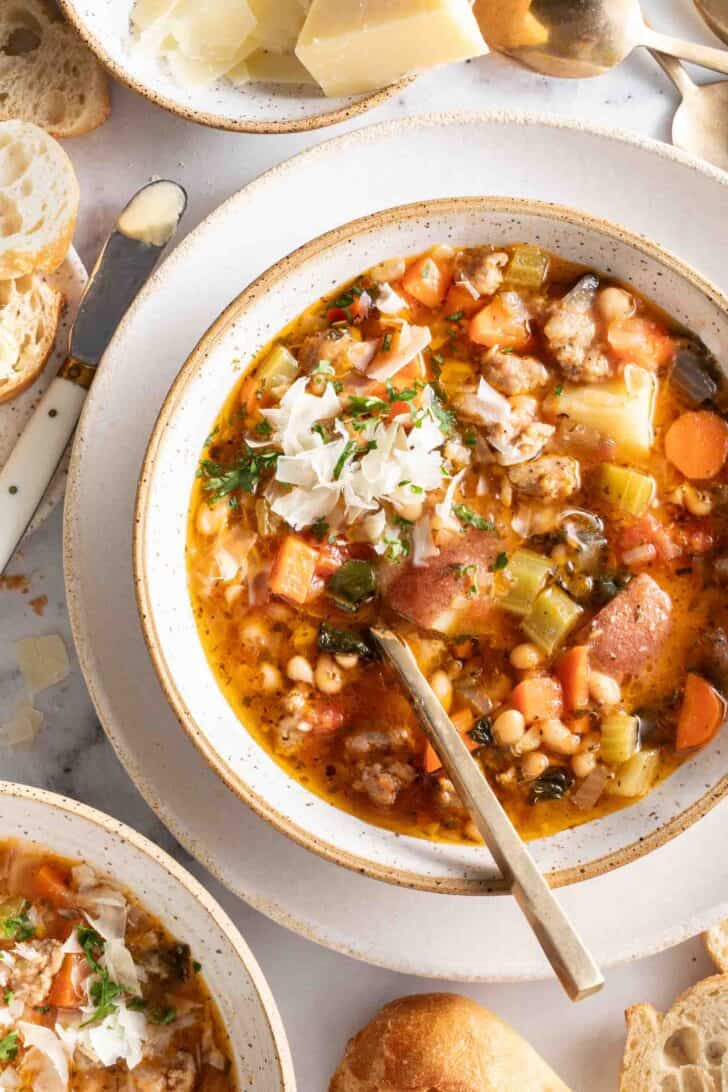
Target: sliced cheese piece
[(213, 31), (192, 72), (279, 24), (43, 662), (352, 48), (23, 726), (277, 68), (148, 12)]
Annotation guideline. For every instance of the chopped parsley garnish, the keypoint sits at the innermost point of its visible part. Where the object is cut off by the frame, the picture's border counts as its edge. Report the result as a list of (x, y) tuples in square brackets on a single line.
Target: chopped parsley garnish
[(321, 431), (320, 528), (349, 449), (92, 944), (244, 473), (163, 1015), (455, 316), (387, 342), (9, 1047), (470, 439), (18, 926), (323, 368), (196, 967), (396, 548), (558, 391), (472, 519), (500, 562), (263, 428), (405, 395), (103, 991), (8, 995), (338, 386), (365, 405), (445, 418)]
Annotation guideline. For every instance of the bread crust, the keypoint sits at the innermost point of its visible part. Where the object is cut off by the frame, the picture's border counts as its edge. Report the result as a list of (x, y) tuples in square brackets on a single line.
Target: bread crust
[(441, 1043), (33, 361)]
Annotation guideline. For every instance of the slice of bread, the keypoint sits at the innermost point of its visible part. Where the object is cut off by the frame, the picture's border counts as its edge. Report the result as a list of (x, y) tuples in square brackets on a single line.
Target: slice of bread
[(47, 75), (684, 1050), (716, 943), (30, 309), (38, 201)]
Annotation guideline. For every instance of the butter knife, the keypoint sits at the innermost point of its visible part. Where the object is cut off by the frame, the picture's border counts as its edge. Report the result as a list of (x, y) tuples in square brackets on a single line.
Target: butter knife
[(142, 231)]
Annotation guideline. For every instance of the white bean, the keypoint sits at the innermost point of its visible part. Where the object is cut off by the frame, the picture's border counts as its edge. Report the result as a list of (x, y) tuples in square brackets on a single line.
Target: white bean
[(347, 660), (530, 741), (442, 688), (534, 765), (604, 689), (328, 677), (525, 657), (211, 520), (558, 738), (254, 632), (509, 727), (615, 304), (582, 765), (270, 678), (697, 501), (299, 670)]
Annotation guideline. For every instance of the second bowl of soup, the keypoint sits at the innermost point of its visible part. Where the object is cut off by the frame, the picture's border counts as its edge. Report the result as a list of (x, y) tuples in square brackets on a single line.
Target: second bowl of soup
[(497, 427)]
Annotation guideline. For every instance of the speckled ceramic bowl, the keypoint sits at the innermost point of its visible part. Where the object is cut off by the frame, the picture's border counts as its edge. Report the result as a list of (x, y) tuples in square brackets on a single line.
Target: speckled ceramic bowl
[(260, 1048), (253, 108), (204, 383)]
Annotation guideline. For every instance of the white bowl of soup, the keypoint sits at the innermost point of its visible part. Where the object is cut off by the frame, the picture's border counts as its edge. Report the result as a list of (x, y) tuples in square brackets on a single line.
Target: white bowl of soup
[(496, 426), (117, 967)]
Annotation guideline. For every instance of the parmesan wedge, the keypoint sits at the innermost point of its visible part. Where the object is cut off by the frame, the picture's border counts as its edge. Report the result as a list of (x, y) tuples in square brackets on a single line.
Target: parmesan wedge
[(23, 726), (43, 662), (354, 48)]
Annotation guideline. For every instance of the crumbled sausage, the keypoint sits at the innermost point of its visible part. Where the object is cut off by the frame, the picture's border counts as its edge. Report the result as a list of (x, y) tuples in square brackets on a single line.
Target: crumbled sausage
[(332, 346), (159, 1076), (383, 783), (553, 477), (482, 268), (366, 741), (98, 1080), (628, 632), (571, 332), (521, 436), (513, 374), (34, 965)]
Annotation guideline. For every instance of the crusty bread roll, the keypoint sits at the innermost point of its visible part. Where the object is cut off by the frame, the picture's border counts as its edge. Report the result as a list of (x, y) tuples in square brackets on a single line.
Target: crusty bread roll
[(29, 312), (441, 1042), (38, 201), (47, 75)]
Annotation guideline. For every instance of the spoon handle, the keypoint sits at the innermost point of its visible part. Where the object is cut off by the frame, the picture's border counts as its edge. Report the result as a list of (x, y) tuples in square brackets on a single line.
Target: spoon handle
[(707, 56), (563, 947), (675, 71)]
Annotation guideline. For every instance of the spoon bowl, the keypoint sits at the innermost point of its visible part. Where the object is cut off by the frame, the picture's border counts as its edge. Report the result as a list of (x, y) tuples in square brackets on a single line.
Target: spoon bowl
[(700, 125), (575, 39), (715, 13)]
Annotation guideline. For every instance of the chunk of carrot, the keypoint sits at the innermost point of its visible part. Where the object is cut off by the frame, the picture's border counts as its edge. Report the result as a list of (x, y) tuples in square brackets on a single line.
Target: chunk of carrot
[(573, 672), (460, 299), (702, 713), (537, 698), (64, 994), (293, 570), (497, 324), (697, 444), (426, 281), (463, 720), (51, 883), (641, 341)]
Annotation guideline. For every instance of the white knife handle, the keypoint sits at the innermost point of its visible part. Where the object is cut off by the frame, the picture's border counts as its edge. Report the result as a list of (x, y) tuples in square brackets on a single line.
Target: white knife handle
[(34, 459)]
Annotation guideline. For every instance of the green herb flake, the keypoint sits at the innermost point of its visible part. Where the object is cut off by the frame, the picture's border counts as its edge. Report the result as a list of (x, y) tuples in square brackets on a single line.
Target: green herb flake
[(500, 563), (472, 519), (163, 1016), (9, 1046), (244, 473), (320, 528), (456, 316), (387, 342), (558, 391), (263, 428), (349, 449), (18, 926)]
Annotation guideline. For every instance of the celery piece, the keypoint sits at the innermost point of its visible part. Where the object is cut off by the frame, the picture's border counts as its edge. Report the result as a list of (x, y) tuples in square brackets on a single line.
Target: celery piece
[(525, 576), (279, 367), (625, 488), (527, 268), (637, 776), (621, 409), (552, 617), (620, 738)]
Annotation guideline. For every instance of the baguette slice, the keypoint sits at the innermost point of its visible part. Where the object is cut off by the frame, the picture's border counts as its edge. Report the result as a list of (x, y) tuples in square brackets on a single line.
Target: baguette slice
[(716, 943), (38, 201), (684, 1050), (47, 75), (30, 310)]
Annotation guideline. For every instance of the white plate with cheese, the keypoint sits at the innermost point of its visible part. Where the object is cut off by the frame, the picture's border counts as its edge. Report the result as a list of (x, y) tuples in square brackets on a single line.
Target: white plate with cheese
[(273, 66)]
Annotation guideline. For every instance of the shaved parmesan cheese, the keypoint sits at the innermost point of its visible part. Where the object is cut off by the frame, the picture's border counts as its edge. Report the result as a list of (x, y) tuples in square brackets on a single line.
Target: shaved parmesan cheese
[(408, 343), (23, 726), (120, 965), (83, 877), (120, 1037), (444, 508), (487, 405), (47, 1042), (274, 68), (105, 909), (423, 546), (212, 32), (388, 301), (296, 414), (148, 12), (9, 1080), (43, 662)]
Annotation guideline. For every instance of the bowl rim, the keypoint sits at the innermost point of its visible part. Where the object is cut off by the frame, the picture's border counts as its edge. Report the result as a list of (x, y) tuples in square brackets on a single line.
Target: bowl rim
[(218, 121), (215, 332), (117, 828)]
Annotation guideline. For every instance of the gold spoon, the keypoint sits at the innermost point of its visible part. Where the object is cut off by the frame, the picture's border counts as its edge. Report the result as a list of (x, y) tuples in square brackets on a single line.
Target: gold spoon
[(578, 38), (715, 13), (700, 125), (564, 949)]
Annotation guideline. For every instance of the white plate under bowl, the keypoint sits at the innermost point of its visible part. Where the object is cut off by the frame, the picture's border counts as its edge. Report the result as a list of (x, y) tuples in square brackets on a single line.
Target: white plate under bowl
[(603, 173), (269, 305), (260, 1049), (251, 108), (70, 280)]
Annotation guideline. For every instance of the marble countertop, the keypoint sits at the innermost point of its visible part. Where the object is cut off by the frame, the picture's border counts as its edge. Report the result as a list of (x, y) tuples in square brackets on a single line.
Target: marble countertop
[(72, 756)]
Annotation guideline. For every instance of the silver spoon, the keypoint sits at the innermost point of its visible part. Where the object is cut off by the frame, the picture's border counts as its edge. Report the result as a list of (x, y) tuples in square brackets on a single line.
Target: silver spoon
[(564, 949), (700, 125), (578, 38), (715, 13)]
